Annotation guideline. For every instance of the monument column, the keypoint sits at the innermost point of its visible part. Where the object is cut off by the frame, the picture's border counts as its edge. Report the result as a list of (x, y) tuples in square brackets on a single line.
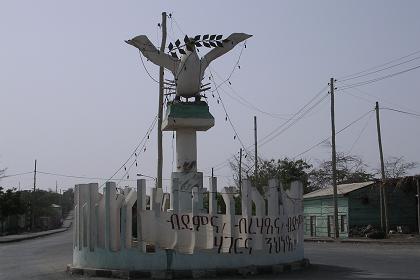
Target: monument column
[(186, 118), (186, 150)]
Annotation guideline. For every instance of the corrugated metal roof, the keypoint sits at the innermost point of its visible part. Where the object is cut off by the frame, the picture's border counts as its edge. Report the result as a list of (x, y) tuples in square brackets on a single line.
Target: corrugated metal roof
[(341, 189)]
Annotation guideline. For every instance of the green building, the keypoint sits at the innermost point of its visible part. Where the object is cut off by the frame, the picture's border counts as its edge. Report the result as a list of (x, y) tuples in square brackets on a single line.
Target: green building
[(358, 206)]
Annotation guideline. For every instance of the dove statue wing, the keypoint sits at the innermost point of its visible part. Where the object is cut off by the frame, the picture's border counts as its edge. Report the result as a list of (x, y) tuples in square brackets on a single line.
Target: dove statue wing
[(153, 54), (228, 44)]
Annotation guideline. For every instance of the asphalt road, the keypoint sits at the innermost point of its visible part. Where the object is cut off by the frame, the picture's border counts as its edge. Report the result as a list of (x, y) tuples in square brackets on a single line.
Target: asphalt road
[(46, 258)]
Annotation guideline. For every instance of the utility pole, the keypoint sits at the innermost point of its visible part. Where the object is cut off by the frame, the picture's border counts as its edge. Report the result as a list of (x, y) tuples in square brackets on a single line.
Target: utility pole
[(33, 201), (418, 203), (383, 183), (35, 176), (256, 148), (56, 187), (334, 161), (160, 109), (240, 171)]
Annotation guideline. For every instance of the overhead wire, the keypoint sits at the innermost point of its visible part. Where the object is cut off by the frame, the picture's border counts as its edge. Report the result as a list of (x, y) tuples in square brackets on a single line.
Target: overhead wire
[(247, 103), (291, 124), (338, 132), (367, 82), (379, 70), (16, 174), (370, 101), (236, 135), (70, 176), (145, 68), (135, 149), (378, 66), (322, 90), (295, 114), (360, 134), (399, 111), (127, 170)]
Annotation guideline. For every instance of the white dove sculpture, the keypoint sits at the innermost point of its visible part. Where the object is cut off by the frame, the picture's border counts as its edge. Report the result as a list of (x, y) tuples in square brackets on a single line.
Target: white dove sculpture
[(189, 70)]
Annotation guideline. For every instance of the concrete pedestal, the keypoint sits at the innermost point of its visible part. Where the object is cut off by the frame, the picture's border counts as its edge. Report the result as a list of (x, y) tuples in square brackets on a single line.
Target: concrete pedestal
[(186, 118)]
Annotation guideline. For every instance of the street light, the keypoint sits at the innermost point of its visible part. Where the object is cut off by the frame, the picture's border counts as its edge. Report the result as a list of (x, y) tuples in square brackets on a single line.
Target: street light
[(147, 176)]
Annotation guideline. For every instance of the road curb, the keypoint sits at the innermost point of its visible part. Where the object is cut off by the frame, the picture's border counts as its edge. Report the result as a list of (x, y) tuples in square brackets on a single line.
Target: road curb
[(381, 242), (189, 274), (28, 236)]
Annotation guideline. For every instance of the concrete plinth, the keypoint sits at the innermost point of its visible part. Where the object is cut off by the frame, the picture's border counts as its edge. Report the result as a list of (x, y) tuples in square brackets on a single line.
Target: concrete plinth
[(183, 184), (187, 115)]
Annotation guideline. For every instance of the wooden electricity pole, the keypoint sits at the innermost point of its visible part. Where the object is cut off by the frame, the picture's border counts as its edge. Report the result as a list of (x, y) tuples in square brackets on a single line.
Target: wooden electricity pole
[(334, 161), (35, 176), (383, 199), (418, 202), (256, 148), (160, 110), (240, 171), (33, 201)]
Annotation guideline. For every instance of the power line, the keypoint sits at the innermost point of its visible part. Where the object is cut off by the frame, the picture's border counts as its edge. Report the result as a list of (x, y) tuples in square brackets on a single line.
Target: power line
[(233, 69), (84, 177), (375, 98), (266, 141), (380, 70), (363, 83), (17, 174), (360, 134), (134, 153), (70, 176), (247, 103), (341, 130), (226, 161), (295, 114), (228, 118), (145, 68), (378, 66), (400, 111)]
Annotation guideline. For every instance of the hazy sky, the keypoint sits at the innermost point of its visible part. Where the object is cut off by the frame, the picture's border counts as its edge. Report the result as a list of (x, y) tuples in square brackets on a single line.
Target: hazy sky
[(75, 97)]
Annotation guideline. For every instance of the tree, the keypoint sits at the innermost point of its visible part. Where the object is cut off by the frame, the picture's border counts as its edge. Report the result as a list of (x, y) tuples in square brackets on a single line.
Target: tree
[(67, 200), (285, 170), (10, 204), (350, 169), (397, 167)]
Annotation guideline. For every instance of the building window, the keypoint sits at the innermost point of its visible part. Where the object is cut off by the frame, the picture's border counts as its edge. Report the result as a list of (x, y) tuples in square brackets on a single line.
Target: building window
[(343, 223)]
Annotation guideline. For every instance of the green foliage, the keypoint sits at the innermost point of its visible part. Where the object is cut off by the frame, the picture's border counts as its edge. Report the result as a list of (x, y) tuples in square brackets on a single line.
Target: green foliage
[(67, 200), (38, 203), (285, 170), (10, 203)]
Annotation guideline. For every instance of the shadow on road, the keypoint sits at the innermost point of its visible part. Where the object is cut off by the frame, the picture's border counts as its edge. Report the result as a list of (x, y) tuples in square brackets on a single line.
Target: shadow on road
[(322, 272)]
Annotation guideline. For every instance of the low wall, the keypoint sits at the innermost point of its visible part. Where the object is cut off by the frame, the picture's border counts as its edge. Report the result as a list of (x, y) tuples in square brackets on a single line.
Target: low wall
[(196, 239)]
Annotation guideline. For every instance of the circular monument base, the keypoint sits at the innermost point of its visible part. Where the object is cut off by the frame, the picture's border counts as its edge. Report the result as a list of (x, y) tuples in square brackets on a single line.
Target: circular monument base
[(190, 273)]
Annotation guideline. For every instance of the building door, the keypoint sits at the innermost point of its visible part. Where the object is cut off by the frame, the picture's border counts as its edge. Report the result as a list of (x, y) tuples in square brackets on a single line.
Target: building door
[(313, 225), (330, 226)]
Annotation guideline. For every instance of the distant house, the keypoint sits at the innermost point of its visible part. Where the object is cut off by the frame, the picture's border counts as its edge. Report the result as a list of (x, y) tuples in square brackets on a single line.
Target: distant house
[(358, 206)]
